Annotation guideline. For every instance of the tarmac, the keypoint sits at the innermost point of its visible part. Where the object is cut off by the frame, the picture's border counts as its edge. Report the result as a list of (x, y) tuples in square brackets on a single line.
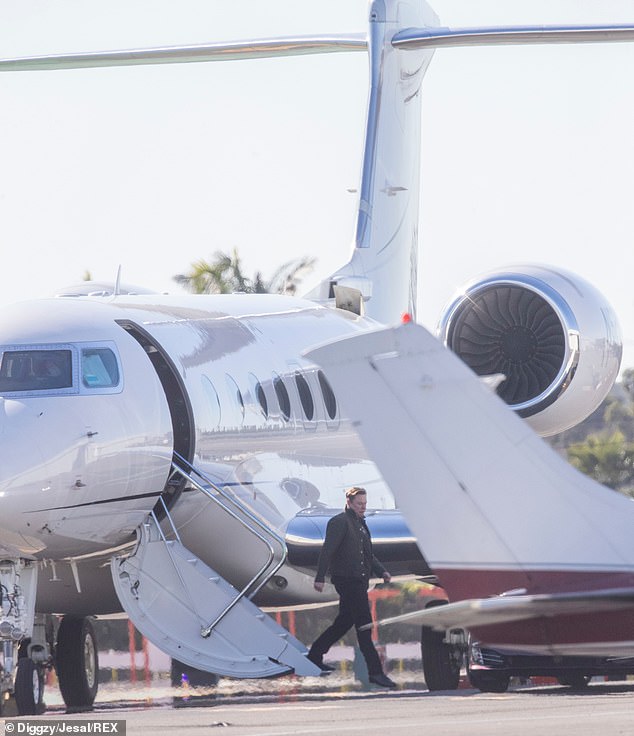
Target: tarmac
[(288, 708)]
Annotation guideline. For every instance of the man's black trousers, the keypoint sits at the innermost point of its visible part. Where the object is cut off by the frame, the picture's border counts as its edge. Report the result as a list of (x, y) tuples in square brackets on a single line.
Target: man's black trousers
[(354, 610)]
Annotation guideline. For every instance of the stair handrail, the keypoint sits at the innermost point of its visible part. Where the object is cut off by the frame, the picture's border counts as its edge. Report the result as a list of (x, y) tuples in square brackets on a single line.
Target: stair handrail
[(165, 541), (219, 496)]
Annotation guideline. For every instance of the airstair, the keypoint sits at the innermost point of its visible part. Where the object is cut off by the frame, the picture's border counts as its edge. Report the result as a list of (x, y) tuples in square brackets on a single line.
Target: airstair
[(191, 612)]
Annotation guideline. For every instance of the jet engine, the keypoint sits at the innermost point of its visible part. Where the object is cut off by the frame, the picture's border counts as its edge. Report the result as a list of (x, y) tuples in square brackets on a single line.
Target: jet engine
[(550, 333)]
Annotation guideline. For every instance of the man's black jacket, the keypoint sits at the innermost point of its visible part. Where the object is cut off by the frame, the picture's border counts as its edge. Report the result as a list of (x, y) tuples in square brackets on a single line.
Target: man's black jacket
[(347, 550)]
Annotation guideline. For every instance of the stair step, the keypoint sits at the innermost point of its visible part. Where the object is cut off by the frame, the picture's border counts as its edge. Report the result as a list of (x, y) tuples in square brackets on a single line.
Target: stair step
[(176, 599)]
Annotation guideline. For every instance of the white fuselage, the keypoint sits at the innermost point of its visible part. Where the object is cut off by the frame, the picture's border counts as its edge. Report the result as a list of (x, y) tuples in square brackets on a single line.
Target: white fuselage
[(83, 464)]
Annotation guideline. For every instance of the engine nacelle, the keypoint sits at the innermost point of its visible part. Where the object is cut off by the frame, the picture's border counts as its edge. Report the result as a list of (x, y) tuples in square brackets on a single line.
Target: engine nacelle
[(549, 332)]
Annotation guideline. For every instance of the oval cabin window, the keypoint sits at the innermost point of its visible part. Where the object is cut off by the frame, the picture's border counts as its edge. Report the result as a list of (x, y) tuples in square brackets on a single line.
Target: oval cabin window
[(282, 397), (305, 396), (329, 397)]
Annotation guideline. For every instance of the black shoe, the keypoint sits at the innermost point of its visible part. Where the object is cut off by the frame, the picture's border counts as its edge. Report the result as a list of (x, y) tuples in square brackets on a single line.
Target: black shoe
[(326, 669), (382, 680)]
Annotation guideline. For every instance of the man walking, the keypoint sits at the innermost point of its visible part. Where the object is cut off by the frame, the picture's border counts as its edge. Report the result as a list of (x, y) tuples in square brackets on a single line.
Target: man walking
[(347, 555)]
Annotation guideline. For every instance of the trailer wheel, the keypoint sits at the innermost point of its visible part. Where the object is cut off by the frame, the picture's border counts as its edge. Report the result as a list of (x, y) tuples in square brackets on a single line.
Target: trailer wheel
[(441, 661)]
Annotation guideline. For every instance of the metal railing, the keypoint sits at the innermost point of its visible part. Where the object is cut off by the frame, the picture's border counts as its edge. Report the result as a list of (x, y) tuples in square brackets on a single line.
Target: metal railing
[(247, 519)]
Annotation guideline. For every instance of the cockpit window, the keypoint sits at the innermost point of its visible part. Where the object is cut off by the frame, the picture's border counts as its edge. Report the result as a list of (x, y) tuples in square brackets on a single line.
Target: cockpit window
[(61, 369), (99, 368), (35, 370)]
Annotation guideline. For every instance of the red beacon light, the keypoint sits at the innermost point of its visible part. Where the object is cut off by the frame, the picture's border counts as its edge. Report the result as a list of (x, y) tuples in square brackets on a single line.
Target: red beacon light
[(406, 318)]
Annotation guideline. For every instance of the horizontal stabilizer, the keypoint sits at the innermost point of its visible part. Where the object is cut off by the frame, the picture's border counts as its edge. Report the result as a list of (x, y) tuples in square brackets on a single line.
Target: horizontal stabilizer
[(505, 609), (256, 49), (408, 40), (434, 38)]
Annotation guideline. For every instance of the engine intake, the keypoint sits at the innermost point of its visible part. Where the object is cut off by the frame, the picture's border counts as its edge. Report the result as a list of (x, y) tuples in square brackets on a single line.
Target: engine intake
[(550, 333)]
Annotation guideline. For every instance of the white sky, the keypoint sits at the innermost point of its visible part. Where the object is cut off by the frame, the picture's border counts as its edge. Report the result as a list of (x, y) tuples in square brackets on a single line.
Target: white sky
[(528, 153)]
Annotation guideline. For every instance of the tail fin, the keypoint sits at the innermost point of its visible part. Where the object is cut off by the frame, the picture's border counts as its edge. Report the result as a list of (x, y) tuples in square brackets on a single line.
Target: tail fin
[(384, 260), (402, 38)]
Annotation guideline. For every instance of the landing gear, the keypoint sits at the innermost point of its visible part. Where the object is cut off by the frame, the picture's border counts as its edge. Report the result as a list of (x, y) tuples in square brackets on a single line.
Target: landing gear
[(442, 660), (77, 662), (29, 687), (22, 643)]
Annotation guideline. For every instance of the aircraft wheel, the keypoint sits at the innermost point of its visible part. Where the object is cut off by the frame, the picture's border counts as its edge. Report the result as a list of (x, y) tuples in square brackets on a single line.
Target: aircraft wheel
[(489, 682), (441, 661), (29, 687), (77, 662)]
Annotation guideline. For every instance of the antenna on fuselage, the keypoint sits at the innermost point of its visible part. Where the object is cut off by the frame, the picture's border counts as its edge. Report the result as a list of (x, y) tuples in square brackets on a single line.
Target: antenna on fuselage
[(117, 282)]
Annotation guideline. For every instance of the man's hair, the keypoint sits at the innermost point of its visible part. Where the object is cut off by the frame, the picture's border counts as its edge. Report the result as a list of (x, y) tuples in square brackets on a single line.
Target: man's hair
[(354, 491)]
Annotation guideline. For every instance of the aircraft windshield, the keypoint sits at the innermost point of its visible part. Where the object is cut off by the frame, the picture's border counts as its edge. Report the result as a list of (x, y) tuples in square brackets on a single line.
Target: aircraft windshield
[(59, 370), (35, 370), (99, 368)]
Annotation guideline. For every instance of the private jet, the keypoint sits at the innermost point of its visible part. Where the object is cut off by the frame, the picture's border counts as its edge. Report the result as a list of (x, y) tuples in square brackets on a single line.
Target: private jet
[(177, 457)]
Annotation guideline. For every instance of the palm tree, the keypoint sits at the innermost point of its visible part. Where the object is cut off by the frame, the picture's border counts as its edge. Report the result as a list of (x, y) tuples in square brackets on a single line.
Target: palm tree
[(223, 275)]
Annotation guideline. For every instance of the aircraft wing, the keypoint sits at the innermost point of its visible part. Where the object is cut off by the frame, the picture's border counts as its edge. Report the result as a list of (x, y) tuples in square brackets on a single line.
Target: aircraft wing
[(505, 609)]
